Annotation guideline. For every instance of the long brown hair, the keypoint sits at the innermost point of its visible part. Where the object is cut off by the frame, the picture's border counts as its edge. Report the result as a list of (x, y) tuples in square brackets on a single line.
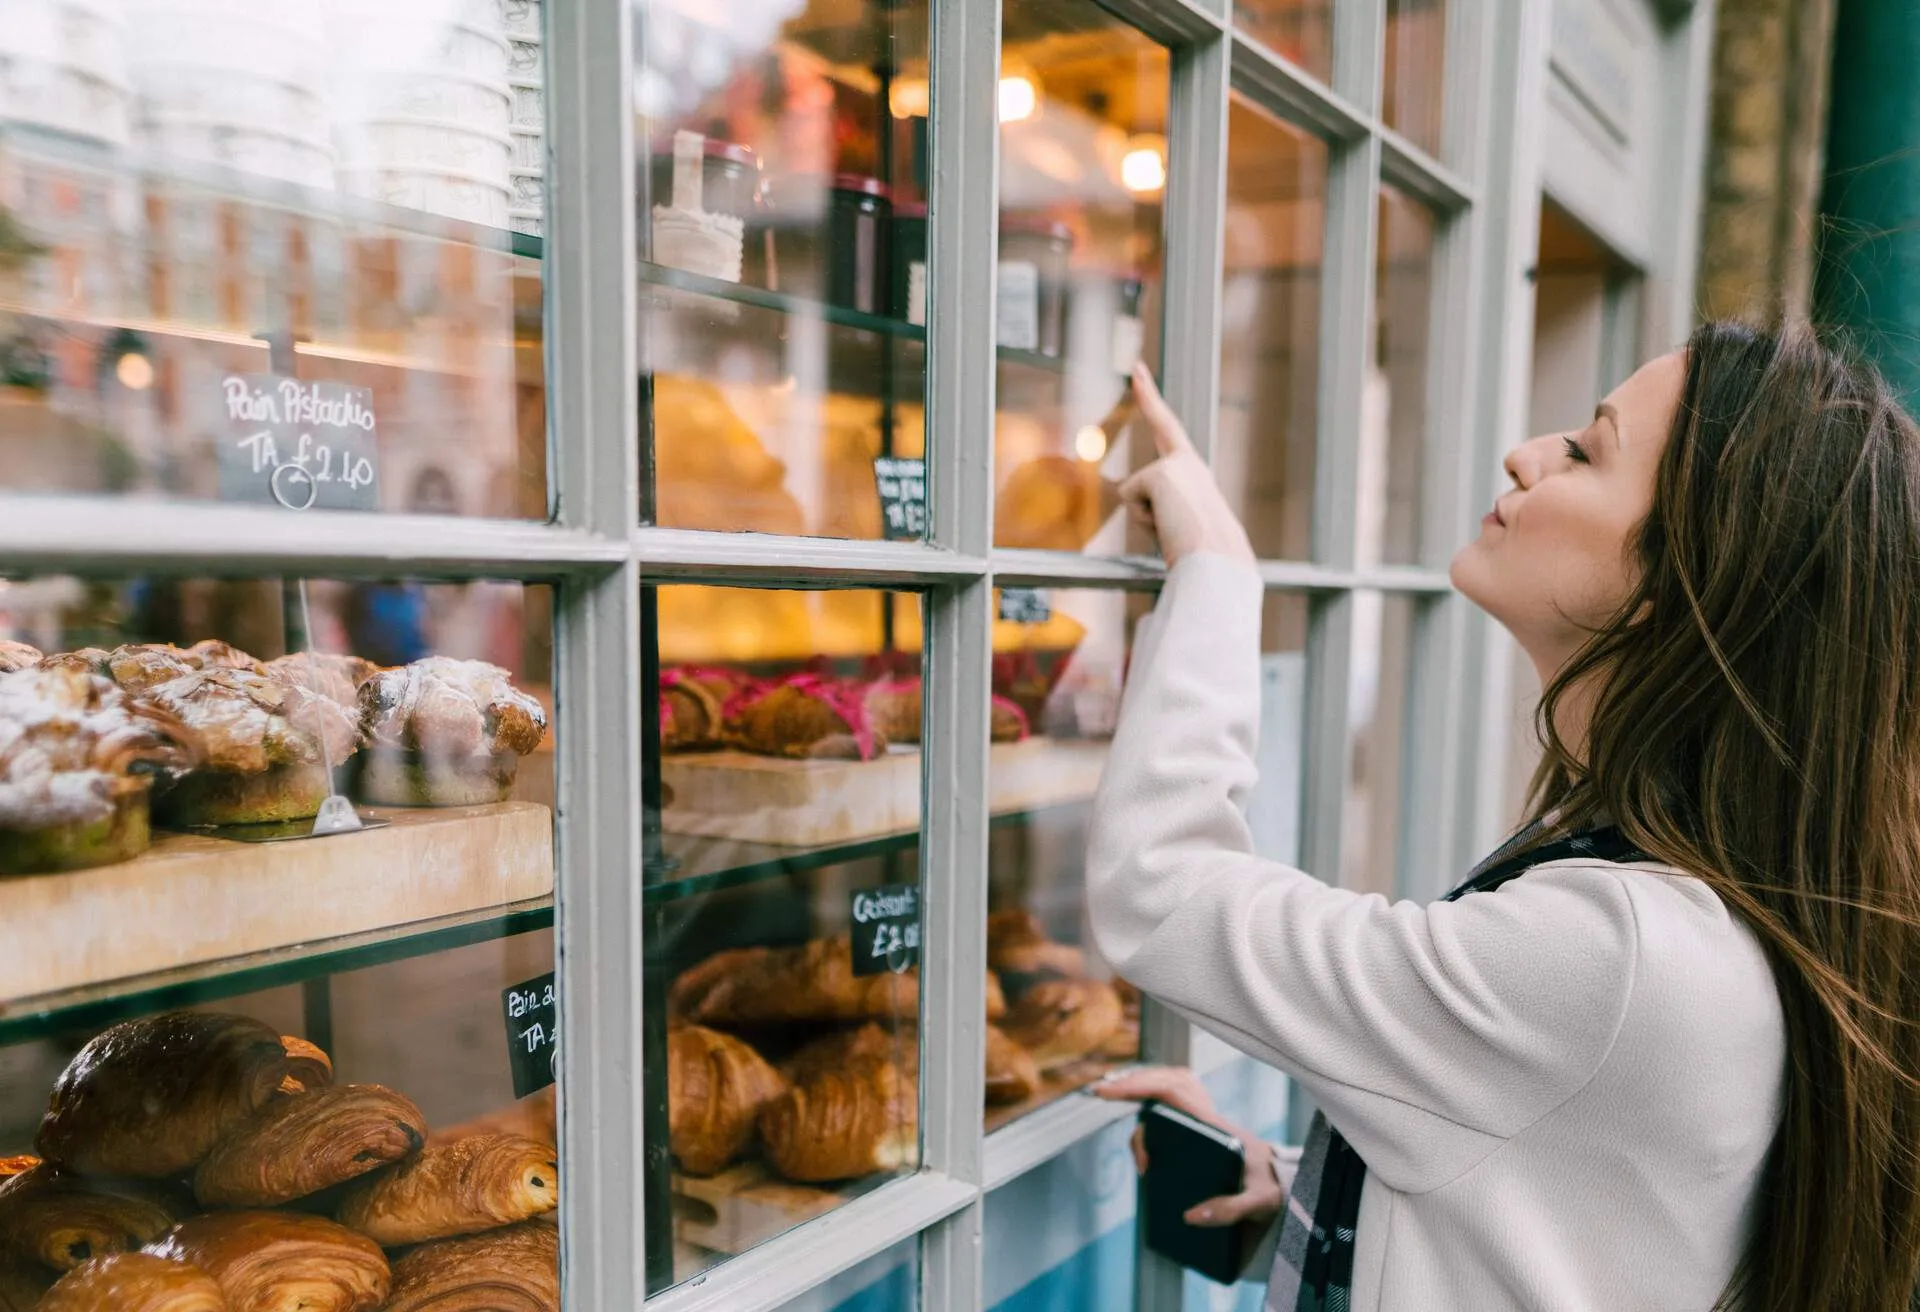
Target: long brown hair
[(1755, 721)]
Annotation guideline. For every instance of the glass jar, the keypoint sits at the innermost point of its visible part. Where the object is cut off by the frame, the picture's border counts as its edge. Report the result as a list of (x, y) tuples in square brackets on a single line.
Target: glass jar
[(829, 239)]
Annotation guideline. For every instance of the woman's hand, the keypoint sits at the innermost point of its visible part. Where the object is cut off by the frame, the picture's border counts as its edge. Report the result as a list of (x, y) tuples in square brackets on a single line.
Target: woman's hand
[(1259, 1199), (1176, 496)]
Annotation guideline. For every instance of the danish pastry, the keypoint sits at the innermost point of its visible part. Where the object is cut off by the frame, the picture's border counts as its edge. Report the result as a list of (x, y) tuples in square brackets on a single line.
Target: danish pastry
[(135, 1282), (512, 1270), (310, 1141), (282, 1261), (61, 1219), (479, 1183)]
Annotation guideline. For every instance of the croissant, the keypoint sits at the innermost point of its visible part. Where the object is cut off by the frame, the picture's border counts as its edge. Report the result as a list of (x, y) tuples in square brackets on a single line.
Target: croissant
[(842, 1124), (308, 1142), (135, 1282), (512, 1270), (1012, 1073), (806, 716), (716, 1086), (22, 1282), (812, 982), (1063, 1020), (690, 711), (481, 1183), (282, 1261), (62, 1219), (308, 1067), (1018, 945), (151, 1097)]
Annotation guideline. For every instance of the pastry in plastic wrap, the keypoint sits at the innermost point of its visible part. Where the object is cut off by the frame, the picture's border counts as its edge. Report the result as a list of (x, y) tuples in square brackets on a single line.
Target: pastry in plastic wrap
[(479, 1183), (307, 1066), (807, 716), (17, 656), (22, 1283), (61, 1219), (1064, 1020), (1018, 947), (282, 1261), (444, 732), (842, 1124), (512, 1270), (766, 986), (716, 1087), (78, 758), (135, 1282), (151, 1097), (895, 708), (267, 745), (299, 1145), (332, 674)]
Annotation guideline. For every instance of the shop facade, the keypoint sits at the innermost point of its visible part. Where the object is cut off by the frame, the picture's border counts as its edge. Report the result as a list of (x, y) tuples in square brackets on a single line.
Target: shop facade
[(651, 469)]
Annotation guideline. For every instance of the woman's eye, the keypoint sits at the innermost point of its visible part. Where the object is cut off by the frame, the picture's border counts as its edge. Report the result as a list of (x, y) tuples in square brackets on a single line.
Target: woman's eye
[(1575, 452)]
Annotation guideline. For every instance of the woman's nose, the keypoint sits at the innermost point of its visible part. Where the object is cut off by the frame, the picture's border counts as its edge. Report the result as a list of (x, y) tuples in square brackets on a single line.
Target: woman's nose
[(1520, 466)]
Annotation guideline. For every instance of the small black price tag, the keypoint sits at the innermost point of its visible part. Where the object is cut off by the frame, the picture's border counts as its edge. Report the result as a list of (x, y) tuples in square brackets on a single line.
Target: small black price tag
[(533, 1034), (886, 929), (902, 484), (1025, 605), (304, 446)]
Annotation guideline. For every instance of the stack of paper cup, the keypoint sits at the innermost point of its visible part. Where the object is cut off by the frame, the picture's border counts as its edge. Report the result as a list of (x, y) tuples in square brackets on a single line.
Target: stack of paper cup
[(63, 66), (422, 116), (526, 75), (232, 82), (686, 235)]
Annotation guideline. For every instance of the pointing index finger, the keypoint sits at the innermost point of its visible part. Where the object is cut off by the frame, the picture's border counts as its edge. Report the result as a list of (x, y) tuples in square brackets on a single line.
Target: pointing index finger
[(1169, 435)]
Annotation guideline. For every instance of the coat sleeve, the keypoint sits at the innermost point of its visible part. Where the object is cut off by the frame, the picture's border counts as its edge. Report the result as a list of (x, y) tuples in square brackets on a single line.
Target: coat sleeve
[(1428, 1035)]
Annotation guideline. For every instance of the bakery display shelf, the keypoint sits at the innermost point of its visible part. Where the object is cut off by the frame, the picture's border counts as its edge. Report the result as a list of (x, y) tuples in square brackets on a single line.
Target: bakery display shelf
[(196, 908), (97, 1006)]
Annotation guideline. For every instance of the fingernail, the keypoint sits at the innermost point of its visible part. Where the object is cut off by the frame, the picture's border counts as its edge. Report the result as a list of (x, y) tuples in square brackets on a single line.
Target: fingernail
[(1203, 1214)]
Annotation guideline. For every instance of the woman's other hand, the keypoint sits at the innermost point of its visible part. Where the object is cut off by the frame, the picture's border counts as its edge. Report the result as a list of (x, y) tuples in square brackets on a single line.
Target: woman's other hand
[(1259, 1199), (1176, 496)]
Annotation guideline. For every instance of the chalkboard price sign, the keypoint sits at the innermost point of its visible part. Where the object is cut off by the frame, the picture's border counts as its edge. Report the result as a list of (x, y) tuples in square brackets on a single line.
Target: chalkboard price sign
[(304, 446), (886, 929), (902, 484), (533, 1034), (1025, 606)]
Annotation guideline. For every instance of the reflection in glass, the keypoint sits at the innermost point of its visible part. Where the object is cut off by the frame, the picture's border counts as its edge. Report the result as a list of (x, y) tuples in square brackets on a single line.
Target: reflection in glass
[(1394, 421), (784, 226), (1297, 30), (1270, 316), (782, 926), (1411, 92), (1376, 727), (1083, 168), (319, 815), (1273, 809), (345, 192)]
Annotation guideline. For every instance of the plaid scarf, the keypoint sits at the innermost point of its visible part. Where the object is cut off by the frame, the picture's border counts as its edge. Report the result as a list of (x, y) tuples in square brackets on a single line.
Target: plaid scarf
[(1313, 1264)]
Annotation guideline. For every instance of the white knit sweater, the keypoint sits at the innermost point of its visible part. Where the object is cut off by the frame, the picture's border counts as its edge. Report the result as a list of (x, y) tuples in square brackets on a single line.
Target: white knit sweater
[(1564, 1090)]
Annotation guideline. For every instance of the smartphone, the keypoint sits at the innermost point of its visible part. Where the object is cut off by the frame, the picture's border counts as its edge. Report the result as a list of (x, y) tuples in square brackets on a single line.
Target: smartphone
[(1188, 1162)]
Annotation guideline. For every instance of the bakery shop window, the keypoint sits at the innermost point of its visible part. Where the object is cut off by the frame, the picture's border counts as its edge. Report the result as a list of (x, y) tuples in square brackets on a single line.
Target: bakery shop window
[(1393, 429), (1263, 452), (782, 909), (783, 223), (1300, 31), (259, 197), (1083, 172), (274, 854)]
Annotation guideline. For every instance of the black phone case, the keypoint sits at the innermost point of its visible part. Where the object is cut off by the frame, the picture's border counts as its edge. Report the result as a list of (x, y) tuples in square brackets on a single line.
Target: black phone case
[(1186, 1166)]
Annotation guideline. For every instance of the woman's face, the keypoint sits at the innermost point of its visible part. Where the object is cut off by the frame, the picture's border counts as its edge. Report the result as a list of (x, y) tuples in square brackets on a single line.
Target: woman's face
[(1554, 559)]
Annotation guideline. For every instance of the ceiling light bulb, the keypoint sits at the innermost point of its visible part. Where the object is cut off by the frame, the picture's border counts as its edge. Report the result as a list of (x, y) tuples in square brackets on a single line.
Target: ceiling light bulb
[(134, 371), (1018, 98), (1143, 170), (1090, 443)]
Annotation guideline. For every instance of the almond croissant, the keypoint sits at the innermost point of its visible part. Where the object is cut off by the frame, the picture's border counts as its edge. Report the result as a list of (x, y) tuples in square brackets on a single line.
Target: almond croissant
[(282, 1261), (151, 1097), (512, 1270), (61, 1219), (716, 1086), (135, 1282), (310, 1141), (480, 1183)]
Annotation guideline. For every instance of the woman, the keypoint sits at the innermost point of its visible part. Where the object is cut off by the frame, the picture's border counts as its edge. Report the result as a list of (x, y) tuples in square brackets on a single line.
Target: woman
[(1674, 1064)]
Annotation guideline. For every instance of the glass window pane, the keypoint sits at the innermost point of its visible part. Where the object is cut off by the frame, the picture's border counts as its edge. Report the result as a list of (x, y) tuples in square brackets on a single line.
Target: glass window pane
[(1083, 165), (1376, 725), (1394, 419), (1270, 317), (1411, 95), (271, 847), (1297, 30), (783, 223), (782, 921), (218, 221)]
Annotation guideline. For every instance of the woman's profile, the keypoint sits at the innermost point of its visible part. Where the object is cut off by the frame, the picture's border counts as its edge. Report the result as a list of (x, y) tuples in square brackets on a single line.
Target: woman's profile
[(1658, 1051)]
